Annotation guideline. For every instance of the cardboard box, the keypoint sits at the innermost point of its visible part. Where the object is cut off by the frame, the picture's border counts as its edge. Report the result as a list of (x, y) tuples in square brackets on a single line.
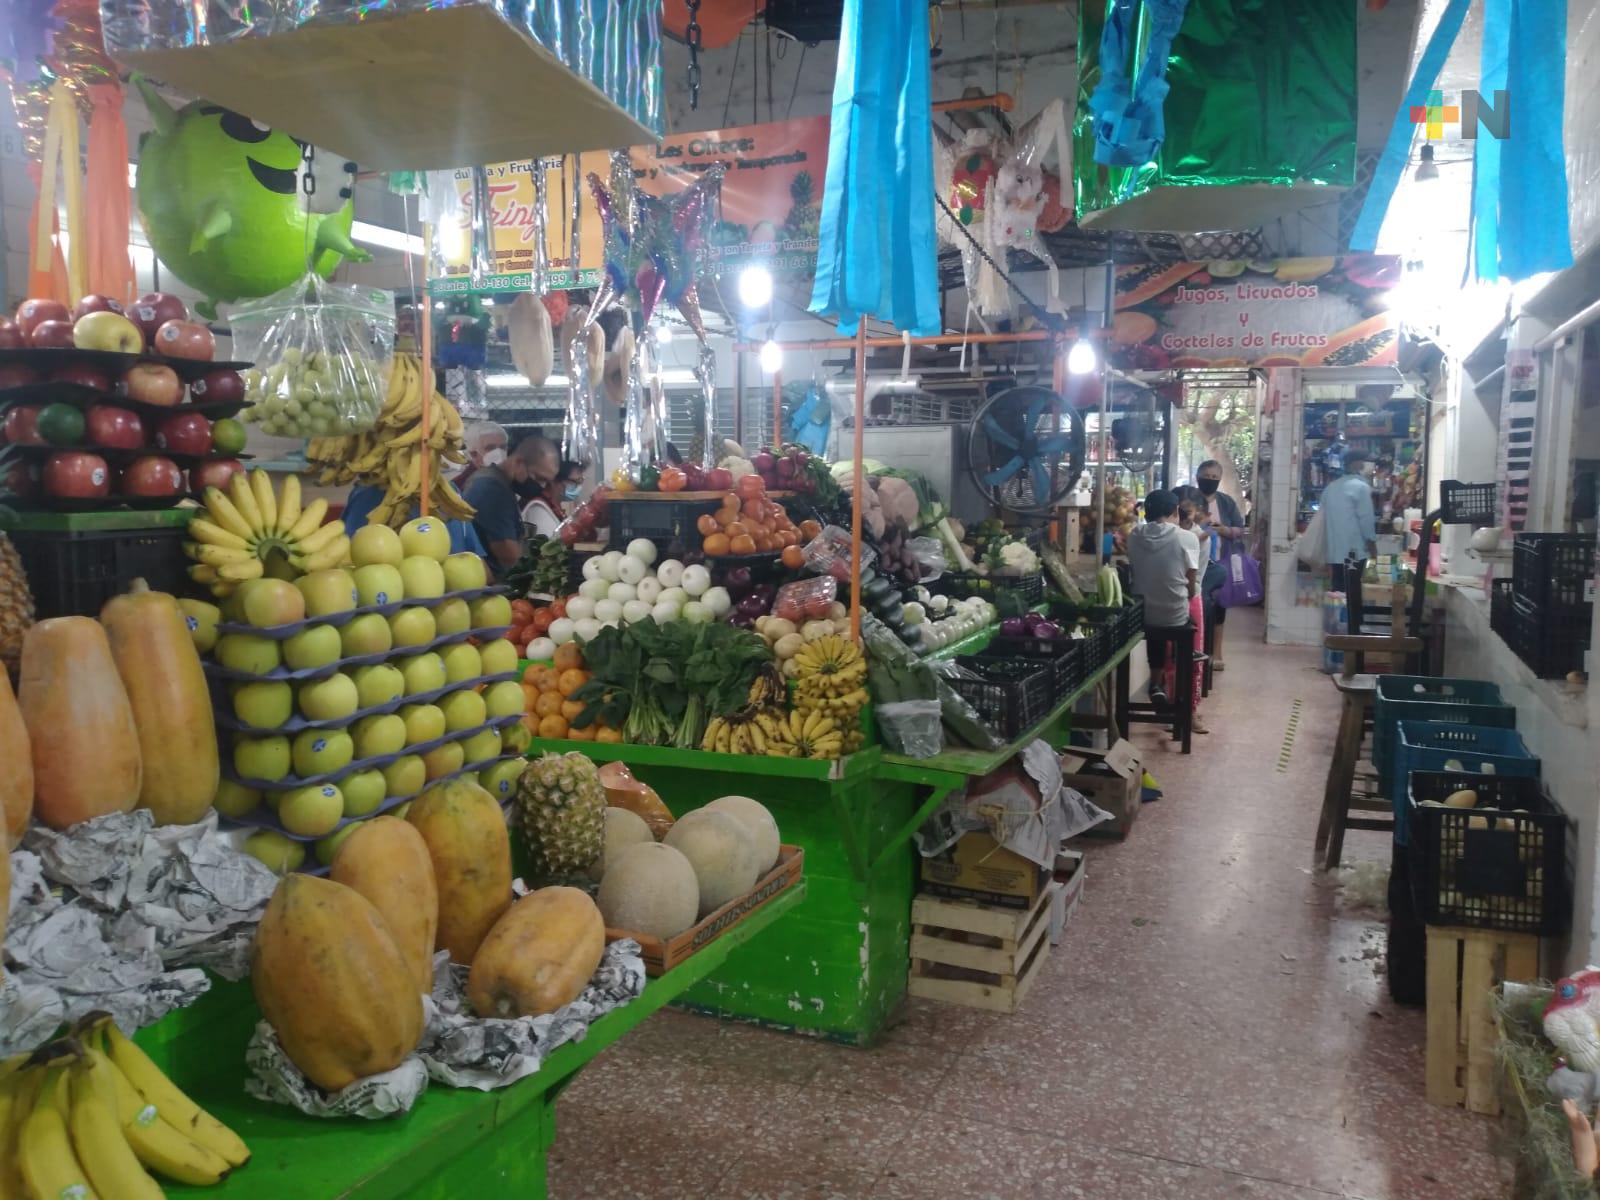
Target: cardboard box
[(976, 867), (1113, 779), (1069, 873)]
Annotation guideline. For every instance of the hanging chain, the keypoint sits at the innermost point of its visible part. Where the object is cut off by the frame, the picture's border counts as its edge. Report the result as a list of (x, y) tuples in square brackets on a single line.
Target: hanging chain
[(1049, 320), (691, 35)]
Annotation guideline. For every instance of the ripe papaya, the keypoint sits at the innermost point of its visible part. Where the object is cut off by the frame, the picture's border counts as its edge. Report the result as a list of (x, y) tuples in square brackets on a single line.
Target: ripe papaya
[(333, 985), (1132, 328), (1145, 281), (1303, 270), (471, 851), (540, 955), (1372, 343), (387, 861), (16, 768), (5, 890)]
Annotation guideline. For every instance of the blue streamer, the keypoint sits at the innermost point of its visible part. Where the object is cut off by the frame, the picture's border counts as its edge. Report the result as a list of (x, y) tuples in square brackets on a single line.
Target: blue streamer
[(1397, 150), (1492, 70), (1533, 186), (876, 252), (1128, 121)]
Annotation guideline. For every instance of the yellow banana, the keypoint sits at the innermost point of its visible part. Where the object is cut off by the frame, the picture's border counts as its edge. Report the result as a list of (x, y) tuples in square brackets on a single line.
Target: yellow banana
[(203, 573), (409, 438), (44, 1149), (238, 572), (331, 555), (308, 522), (202, 530), (108, 1160), (219, 556), (176, 1108), (159, 1145), (244, 499), (288, 504), (266, 500), (322, 536), (16, 1102), (758, 739), (224, 512)]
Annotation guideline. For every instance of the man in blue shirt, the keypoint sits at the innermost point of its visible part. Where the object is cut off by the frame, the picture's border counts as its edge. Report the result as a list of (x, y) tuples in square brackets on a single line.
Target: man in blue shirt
[(1350, 525), (492, 492), (365, 497)]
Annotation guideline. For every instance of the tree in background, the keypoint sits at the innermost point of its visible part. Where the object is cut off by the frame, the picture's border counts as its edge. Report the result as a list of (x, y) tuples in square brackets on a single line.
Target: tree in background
[(1219, 423)]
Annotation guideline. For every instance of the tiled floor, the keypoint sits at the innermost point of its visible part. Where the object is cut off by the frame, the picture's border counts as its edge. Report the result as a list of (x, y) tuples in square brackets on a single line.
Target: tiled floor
[(1214, 1024)]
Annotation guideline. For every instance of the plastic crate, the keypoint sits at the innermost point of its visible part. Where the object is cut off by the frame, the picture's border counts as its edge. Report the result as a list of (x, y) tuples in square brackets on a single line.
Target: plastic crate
[(1423, 698), (1551, 639), (1501, 616), (1467, 503), (1426, 746), (660, 519), (1554, 570), (1500, 865), (1064, 655), (73, 572), (1029, 589), (1010, 694)]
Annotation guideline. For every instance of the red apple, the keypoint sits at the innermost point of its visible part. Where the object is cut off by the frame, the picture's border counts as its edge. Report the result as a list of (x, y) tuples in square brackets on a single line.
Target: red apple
[(154, 309), (218, 387), (152, 383), (76, 473), (215, 474), (184, 339), (22, 425), (113, 427), (96, 303), (152, 475), (107, 330), (33, 313), (83, 375), (21, 480), (13, 375), (719, 480), (11, 335), (52, 335), (186, 433)]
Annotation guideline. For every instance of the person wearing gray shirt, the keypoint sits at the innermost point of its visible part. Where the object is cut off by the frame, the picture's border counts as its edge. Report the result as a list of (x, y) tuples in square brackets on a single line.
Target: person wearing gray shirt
[(1162, 574), (1349, 524)]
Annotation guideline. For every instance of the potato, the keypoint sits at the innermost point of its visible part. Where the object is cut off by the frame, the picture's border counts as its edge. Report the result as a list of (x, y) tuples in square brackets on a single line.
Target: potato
[(1477, 822), (1465, 798)]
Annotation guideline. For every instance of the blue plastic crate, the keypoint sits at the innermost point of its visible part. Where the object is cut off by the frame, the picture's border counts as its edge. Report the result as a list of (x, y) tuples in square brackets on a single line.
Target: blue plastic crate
[(1426, 698), (1430, 746)]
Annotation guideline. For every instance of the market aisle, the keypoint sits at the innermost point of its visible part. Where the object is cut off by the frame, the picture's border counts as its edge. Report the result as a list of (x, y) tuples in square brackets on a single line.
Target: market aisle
[(1213, 1025)]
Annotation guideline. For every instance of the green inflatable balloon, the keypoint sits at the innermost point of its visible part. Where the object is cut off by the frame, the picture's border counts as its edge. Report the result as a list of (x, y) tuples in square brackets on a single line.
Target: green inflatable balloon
[(220, 201)]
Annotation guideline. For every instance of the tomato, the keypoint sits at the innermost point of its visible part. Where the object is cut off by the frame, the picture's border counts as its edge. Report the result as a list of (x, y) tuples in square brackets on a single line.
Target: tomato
[(521, 611), (559, 608), (673, 480), (541, 621), (750, 486)]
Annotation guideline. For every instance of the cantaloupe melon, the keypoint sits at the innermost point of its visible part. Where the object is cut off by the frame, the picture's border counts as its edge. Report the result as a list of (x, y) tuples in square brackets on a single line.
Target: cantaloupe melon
[(623, 828), (722, 853), (757, 822), (650, 888)]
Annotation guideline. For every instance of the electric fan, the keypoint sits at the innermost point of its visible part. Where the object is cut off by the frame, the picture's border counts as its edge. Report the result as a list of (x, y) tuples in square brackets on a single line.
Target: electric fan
[(1137, 434), (1025, 449)]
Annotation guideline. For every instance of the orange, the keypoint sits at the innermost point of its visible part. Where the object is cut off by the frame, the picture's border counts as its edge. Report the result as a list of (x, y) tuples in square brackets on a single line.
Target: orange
[(553, 726), (793, 557), (754, 508), (530, 696), (571, 708), (810, 529), (586, 734), (530, 722), (764, 542), (531, 675), (604, 733), (731, 500), (571, 680), (716, 545), (707, 525), (743, 544), (548, 703), (737, 529), (787, 537), (547, 679), (750, 485), (567, 656)]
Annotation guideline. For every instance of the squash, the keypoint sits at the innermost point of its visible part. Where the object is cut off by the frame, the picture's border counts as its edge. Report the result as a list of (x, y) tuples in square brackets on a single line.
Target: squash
[(16, 769), (332, 984), (471, 850), (539, 956), (386, 860), (160, 668), (85, 746)]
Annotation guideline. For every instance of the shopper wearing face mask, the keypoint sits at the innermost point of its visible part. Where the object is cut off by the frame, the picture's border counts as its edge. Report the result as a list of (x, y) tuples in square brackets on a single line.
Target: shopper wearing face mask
[(1223, 518), (1350, 525), (492, 493), (545, 512), (486, 444)]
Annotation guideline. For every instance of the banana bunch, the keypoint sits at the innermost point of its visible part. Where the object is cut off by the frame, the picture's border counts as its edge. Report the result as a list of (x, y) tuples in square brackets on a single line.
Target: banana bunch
[(831, 680), (800, 734), (249, 531), (390, 455), (738, 734), (91, 1115)]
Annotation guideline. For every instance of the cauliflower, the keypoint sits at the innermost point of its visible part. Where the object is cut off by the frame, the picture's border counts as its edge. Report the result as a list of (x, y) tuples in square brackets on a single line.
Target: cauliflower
[(737, 467), (1017, 559)]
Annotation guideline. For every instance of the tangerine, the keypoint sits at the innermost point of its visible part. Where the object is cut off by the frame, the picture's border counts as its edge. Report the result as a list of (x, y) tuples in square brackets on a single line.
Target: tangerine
[(553, 726), (754, 508), (743, 543), (810, 529), (750, 485), (571, 680), (793, 557), (568, 655), (717, 545), (547, 679), (547, 704), (605, 733), (585, 734), (707, 525), (571, 708)]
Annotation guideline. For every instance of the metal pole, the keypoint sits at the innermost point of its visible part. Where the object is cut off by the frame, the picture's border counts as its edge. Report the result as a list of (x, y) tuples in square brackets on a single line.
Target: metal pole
[(943, 339), (425, 338), (1105, 411), (858, 475), (777, 410)]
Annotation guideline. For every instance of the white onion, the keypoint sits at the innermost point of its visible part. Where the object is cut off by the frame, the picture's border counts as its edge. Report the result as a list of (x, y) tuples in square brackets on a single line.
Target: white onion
[(642, 549), (670, 573), (587, 629), (696, 580), (648, 589), (630, 570), (621, 592), (561, 630), (718, 601), (635, 611), (608, 565), (664, 612), (594, 589), (696, 613), (607, 610), (540, 648), (675, 596), (591, 567), (579, 607)]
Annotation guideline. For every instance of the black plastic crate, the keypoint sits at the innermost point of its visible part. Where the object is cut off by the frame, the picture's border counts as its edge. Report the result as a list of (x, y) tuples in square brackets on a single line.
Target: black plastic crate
[(1010, 694), (1554, 570), (1551, 639), (1029, 589), (1501, 614), (72, 573), (1467, 503), (1063, 654), (1490, 866), (660, 520)]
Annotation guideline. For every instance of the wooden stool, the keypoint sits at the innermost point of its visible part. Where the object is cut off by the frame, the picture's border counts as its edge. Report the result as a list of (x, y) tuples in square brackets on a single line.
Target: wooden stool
[(1179, 641), (1464, 967), (1344, 804)]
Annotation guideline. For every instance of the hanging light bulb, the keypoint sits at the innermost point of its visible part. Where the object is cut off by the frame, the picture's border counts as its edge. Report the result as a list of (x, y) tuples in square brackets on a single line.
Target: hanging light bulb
[(1426, 168), (1081, 359), (755, 287), (663, 335), (771, 357)]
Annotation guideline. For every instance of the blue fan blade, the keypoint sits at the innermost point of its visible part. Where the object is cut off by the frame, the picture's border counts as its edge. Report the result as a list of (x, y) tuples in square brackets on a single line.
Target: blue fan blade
[(1036, 410), (998, 433), (1003, 472), (1041, 482)]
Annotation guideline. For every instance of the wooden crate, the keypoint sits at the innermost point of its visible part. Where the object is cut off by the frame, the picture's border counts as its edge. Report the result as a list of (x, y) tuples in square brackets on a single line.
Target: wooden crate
[(1464, 968), (661, 955), (981, 957)]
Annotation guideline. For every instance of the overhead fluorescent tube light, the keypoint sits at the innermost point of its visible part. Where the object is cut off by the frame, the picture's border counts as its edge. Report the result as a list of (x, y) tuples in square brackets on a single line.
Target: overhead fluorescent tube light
[(389, 239)]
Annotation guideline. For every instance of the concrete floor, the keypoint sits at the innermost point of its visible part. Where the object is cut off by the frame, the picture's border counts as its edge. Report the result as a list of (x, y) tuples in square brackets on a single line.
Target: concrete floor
[(1214, 1024)]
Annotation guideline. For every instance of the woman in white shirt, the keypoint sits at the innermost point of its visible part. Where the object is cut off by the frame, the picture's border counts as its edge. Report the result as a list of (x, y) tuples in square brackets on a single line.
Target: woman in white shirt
[(544, 514)]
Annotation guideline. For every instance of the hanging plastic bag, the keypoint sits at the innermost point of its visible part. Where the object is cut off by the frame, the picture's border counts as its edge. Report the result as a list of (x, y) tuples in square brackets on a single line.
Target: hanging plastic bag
[(914, 728), (321, 354)]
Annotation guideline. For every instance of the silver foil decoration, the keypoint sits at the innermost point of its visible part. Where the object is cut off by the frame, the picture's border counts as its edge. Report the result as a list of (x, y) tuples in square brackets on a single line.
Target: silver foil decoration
[(705, 373), (481, 228), (446, 218), (539, 277), (580, 435)]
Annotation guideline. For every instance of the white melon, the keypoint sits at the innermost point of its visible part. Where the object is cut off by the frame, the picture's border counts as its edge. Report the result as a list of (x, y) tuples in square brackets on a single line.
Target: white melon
[(649, 888), (623, 829), (722, 852), (757, 822)]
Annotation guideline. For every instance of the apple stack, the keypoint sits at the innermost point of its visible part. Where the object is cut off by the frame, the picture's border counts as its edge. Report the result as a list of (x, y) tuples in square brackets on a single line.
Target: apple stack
[(348, 691), (99, 392)]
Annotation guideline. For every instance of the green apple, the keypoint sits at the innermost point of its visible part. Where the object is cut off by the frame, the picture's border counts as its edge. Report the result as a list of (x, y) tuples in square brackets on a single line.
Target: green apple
[(248, 653), (367, 634), (234, 799), (265, 704), (503, 699), (462, 662), (376, 544), (329, 699), (444, 760), (363, 792), (423, 577), (464, 572), (312, 811), (428, 536), (231, 608), (463, 710), (379, 684), (412, 627), (424, 673), (329, 592), (452, 616), (318, 751), (262, 758), (384, 734), (499, 657), (313, 646), (268, 602), (201, 618), (378, 583), (500, 780), (490, 612), (399, 812), (515, 739), (281, 853), (481, 746), (424, 723), (328, 847), (405, 776)]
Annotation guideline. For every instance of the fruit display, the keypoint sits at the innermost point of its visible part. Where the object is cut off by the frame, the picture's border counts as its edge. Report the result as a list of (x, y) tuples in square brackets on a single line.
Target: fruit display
[(747, 522), (249, 530), (389, 453), (550, 705), (539, 956), (386, 861), (470, 848), (559, 814), (721, 852)]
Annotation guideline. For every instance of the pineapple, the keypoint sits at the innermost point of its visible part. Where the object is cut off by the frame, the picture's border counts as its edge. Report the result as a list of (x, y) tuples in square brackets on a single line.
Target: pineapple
[(803, 217), (560, 813), (16, 601)]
